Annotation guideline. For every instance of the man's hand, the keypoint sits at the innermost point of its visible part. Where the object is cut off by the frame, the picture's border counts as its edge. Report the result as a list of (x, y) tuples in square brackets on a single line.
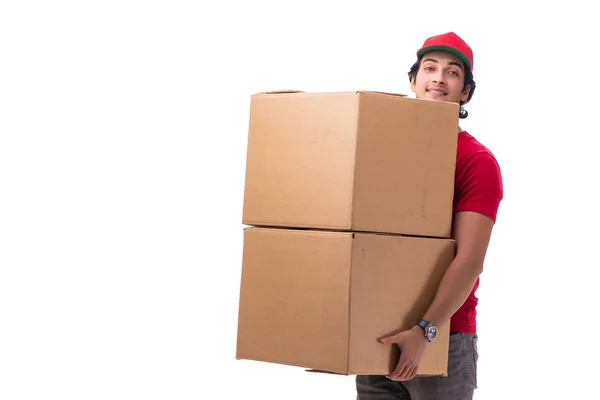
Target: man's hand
[(412, 345)]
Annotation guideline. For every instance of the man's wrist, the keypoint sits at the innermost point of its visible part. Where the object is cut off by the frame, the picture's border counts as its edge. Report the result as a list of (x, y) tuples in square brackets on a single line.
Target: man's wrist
[(417, 330), (428, 329)]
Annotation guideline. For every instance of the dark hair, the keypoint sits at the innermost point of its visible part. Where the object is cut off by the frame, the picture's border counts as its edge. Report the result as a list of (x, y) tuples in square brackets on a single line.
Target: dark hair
[(468, 81)]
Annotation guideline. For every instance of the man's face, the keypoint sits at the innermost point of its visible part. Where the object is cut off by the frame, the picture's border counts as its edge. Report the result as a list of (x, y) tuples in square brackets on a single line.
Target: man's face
[(440, 77)]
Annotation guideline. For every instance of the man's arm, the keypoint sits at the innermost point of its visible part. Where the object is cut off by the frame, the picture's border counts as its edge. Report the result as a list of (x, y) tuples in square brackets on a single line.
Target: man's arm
[(478, 193), (472, 232)]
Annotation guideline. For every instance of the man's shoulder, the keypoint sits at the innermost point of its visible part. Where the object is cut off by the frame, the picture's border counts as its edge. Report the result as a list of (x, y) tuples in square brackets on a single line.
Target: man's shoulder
[(469, 147), (478, 180)]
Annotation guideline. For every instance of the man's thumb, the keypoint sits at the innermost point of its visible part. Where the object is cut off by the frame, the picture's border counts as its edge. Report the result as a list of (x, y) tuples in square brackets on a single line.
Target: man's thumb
[(390, 339)]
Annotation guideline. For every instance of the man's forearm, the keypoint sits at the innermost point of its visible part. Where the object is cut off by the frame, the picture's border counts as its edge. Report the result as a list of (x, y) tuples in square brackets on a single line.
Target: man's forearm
[(454, 288)]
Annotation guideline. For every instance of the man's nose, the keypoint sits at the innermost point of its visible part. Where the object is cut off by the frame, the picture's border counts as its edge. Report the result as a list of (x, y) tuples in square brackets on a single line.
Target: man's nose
[(439, 78)]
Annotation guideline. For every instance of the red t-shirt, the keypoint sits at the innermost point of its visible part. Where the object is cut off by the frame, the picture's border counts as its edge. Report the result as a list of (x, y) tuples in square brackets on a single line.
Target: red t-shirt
[(478, 187)]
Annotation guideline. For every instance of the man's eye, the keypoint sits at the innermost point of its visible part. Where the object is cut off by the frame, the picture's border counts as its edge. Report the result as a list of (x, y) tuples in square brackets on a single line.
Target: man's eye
[(453, 72), (428, 68)]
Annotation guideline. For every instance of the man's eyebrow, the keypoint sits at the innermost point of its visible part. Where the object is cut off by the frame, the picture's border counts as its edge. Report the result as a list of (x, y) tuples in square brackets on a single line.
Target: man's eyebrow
[(457, 64), (450, 63)]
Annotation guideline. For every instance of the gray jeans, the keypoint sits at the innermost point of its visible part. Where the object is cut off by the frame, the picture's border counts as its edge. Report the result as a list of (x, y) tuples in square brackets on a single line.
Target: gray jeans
[(460, 383)]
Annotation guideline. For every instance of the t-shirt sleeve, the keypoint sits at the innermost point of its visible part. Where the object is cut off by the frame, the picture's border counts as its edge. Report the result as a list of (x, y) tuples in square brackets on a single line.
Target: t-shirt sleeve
[(481, 188)]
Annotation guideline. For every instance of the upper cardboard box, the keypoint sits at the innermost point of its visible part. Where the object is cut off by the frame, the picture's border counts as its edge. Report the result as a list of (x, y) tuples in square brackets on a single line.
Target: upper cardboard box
[(354, 161)]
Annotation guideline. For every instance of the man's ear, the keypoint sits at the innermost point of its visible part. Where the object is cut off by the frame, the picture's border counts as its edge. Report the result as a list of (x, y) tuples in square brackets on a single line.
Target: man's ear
[(412, 84), (465, 93)]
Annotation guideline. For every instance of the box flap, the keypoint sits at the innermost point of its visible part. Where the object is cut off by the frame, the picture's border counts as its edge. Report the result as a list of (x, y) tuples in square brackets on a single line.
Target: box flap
[(318, 371), (384, 93), (284, 91), (281, 91)]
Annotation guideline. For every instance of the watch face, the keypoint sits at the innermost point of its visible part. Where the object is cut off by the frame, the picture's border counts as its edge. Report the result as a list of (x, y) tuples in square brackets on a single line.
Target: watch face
[(431, 332)]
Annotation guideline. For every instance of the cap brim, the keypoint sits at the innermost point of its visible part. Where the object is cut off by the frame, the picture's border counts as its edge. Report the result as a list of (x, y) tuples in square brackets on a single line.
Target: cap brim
[(452, 50)]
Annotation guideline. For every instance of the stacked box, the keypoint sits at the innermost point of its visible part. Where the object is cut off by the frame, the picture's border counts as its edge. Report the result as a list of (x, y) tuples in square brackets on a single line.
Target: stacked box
[(349, 201)]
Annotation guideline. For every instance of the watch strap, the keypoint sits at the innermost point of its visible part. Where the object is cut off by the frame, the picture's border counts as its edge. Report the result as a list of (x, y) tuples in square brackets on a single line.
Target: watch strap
[(423, 324)]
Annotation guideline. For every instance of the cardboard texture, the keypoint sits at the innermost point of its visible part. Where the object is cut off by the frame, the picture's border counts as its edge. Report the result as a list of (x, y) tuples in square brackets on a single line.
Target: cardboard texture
[(321, 299), (351, 161)]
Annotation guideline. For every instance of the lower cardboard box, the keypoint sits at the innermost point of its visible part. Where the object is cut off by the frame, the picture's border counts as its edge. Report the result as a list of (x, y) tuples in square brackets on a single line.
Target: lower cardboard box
[(321, 299)]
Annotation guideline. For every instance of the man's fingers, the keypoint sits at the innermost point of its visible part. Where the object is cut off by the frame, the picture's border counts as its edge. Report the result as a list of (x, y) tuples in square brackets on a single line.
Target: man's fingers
[(405, 374), (404, 371), (400, 370), (412, 372)]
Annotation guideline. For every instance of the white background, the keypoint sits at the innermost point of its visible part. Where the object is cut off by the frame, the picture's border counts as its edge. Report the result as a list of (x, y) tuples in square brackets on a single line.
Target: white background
[(122, 157)]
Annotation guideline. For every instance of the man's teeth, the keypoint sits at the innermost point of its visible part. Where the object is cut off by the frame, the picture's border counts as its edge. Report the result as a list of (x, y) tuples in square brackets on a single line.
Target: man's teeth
[(437, 92)]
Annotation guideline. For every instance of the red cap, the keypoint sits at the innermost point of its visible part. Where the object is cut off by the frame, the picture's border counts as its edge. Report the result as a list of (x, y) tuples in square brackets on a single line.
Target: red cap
[(449, 42)]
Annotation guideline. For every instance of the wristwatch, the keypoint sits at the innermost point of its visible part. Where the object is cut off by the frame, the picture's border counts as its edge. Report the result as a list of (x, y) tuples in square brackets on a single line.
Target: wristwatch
[(429, 329)]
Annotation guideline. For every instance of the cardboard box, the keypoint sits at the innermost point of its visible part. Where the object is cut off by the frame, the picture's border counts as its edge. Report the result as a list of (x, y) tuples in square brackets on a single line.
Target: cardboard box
[(353, 161), (320, 299)]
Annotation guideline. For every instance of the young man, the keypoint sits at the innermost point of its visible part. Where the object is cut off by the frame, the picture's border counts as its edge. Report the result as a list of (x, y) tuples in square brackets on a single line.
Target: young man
[(444, 72)]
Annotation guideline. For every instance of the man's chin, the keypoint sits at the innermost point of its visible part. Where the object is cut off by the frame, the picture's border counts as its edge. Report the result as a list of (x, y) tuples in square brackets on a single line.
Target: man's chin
[(436, 97)]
